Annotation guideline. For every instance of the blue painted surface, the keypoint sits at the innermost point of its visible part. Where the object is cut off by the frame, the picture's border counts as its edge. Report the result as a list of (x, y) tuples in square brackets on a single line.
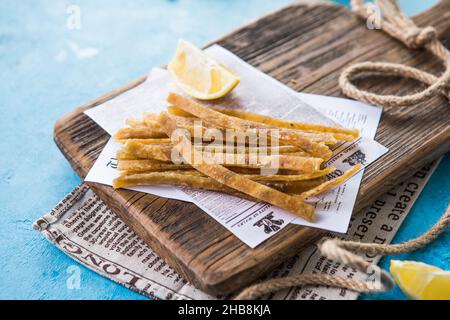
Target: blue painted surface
[(48, 69)]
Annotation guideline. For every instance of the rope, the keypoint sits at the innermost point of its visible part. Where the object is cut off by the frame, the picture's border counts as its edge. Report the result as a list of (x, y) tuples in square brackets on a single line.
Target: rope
[(339, 250), (399, 26)]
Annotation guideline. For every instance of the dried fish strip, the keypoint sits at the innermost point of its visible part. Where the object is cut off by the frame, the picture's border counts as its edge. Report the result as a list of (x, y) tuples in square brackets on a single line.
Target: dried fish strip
[(286, 136), (331, 183), (236, 181)]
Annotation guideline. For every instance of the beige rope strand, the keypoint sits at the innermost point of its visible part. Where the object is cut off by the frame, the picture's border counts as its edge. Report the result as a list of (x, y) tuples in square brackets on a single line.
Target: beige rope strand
[(337, 250), (398, 25)]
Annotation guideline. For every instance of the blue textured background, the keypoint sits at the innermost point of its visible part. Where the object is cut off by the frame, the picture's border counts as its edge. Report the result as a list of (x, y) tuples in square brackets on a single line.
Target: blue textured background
[(43, 77)]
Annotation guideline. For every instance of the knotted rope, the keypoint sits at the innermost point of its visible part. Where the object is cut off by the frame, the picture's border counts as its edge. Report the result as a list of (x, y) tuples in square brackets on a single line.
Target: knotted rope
[(399, 26), (395, 23)]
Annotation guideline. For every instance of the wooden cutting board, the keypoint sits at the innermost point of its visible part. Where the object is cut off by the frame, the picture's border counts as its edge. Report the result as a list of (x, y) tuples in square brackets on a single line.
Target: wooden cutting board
[(305, 46)]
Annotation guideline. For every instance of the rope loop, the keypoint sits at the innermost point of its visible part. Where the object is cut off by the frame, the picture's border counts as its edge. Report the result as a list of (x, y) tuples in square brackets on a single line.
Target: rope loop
[(435, 85), (399, 26)]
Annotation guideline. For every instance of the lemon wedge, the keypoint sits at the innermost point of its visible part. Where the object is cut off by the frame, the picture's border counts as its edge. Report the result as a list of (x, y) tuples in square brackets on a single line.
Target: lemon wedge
[(198, 75), (421, 281)]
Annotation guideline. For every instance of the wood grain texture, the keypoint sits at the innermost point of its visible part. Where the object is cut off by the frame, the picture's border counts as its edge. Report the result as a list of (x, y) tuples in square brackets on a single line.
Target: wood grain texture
[(309, 43)]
